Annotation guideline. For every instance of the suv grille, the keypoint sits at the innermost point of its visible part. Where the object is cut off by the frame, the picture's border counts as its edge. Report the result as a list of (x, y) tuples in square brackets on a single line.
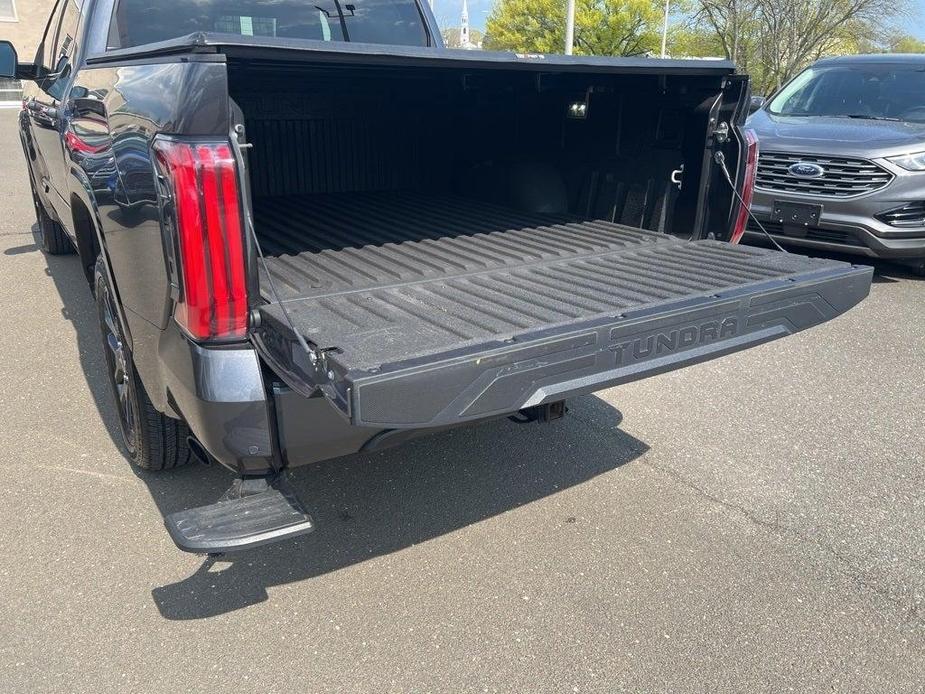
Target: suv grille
[(842, 177)]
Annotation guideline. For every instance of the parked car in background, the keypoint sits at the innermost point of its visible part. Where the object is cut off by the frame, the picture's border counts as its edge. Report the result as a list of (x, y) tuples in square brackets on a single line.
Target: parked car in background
[(842, 163)]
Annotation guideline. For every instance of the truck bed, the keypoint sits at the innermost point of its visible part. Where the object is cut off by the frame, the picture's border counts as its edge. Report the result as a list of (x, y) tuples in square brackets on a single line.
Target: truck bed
[(437, 273), (445, 280)]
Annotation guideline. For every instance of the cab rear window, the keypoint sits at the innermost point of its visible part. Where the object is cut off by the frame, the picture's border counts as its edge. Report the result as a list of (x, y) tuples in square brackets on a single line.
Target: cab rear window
[(398, 22)]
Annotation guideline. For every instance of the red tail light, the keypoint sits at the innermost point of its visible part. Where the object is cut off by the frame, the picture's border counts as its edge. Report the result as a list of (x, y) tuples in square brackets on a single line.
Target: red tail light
[(748, 185), (206, 205), (74, 143)]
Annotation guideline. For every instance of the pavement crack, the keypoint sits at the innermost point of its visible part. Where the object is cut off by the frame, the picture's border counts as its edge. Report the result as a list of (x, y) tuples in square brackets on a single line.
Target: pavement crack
[(846, 565)]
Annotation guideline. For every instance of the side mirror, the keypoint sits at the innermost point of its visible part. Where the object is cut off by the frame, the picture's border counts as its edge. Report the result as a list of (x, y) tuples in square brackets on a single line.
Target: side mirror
[(756, 103), (11, 68)]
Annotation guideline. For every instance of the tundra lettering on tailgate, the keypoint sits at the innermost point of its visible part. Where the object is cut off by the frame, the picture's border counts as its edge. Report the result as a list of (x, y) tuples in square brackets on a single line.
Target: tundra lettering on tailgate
[(655, 344)]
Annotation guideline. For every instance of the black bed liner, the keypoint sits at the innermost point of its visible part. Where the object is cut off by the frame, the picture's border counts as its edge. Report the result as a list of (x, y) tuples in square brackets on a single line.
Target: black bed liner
[(460, 310)]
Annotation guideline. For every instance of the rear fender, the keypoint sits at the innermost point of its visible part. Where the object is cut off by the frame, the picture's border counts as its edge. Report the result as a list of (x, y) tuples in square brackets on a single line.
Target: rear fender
[(81, 192)]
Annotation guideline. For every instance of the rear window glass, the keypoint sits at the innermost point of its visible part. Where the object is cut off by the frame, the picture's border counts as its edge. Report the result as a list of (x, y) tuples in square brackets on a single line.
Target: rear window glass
[(138, 22)]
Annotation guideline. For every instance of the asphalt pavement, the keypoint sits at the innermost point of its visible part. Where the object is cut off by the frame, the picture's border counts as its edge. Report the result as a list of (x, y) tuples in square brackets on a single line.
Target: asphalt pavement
[(756, 523)]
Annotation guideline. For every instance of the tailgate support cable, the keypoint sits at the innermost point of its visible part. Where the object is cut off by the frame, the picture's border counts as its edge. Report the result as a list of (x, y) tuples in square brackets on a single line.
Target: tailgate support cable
[(720, 159), (249, 222)]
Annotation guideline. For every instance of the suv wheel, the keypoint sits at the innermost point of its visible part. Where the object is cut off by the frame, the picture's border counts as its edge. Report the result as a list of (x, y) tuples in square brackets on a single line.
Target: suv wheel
[(154, 441)]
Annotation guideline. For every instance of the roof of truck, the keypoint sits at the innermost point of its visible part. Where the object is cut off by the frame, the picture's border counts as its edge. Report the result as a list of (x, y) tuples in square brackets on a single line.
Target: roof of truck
[(343, 52)]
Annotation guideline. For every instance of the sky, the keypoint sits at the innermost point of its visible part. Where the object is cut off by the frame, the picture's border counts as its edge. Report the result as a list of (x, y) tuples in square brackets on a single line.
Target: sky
[(447, 13), (918, 23)]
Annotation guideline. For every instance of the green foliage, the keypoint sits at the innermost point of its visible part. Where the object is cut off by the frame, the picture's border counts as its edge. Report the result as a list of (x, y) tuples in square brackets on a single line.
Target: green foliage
[(907, 44), (691, 42), (602, 27), (772, 40)]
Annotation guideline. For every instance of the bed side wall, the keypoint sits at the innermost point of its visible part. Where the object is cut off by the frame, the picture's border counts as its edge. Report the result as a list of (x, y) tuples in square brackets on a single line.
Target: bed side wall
[(336, 132)]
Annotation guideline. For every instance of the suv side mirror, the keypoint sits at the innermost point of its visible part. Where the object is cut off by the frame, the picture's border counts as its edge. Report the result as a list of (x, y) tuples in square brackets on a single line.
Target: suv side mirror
[(756, 103), (11, 68)]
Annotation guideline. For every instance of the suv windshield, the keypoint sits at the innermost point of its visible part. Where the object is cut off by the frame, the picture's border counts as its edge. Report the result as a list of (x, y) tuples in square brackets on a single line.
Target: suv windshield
[(138, 22), (871, 91)]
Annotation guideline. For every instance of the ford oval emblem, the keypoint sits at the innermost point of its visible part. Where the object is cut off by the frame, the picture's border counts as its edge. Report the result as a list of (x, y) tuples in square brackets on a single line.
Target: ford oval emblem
[(806, 169)]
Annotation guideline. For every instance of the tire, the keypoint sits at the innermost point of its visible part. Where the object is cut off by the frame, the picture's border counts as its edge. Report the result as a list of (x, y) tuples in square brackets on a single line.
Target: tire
[(153, 440), (54, 240)]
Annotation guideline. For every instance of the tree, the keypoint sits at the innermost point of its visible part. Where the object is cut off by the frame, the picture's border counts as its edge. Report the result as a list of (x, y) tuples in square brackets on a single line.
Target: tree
[(733, 23), (906, 44), (794, 33), (602, 27), (773, 40)]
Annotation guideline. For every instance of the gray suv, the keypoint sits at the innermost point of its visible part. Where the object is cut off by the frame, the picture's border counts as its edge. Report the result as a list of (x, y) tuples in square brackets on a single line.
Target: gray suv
[(842, 163)]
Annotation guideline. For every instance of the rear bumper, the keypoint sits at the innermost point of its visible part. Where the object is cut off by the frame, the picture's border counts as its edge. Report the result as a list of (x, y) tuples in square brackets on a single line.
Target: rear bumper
[(220, 394)]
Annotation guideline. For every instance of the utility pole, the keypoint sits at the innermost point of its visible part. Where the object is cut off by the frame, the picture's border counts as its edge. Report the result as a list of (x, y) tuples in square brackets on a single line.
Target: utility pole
[(569, 27), (665, 30)]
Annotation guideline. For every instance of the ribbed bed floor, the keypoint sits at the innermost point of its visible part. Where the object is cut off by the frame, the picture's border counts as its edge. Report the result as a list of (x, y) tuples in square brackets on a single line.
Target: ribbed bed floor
[(391, 276)]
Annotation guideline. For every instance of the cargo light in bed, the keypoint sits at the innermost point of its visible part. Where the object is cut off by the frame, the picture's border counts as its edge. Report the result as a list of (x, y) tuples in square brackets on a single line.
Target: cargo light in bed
[(578, 110), (202, 190)]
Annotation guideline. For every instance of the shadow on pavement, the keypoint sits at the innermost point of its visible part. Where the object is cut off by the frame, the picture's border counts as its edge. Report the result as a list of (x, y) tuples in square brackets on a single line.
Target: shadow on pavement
[(370, 505), (364, 505), (19, 250), (79, 309)]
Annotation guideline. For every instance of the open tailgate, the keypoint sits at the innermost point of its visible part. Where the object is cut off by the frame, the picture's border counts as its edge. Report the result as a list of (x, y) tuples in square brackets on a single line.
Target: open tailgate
[(661, 304)]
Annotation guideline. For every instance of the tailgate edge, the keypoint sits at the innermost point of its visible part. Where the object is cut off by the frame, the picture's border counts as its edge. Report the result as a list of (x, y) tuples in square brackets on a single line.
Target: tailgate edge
[(597, 355)]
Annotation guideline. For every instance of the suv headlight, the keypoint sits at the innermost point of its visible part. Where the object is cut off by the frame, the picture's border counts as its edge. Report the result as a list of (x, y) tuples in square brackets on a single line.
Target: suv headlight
[(910, 162)]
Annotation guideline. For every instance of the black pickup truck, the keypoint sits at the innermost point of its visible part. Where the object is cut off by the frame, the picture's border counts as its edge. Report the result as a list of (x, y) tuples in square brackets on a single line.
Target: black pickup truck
[(312, 230)]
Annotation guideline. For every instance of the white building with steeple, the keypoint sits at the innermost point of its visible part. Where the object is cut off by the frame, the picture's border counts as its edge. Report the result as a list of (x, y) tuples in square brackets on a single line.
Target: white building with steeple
[(464, 41)]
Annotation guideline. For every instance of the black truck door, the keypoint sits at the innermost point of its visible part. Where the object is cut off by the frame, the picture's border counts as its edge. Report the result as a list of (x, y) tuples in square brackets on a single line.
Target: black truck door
[(46, 109), (42, 127)]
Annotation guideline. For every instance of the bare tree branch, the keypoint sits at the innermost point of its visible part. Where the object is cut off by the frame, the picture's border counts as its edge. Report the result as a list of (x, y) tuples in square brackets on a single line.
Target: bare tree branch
[(779, 37)]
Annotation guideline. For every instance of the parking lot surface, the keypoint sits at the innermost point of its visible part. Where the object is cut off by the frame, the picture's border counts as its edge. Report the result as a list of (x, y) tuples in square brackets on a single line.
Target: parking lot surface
[(756, 523)]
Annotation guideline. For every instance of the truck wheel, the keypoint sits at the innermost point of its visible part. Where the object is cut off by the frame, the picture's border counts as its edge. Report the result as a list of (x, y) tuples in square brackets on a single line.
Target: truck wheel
[(154, 441), (54, 240)]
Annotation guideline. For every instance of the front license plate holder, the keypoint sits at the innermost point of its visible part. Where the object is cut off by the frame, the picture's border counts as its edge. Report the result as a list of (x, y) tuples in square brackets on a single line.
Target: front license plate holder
[(796, 218)]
